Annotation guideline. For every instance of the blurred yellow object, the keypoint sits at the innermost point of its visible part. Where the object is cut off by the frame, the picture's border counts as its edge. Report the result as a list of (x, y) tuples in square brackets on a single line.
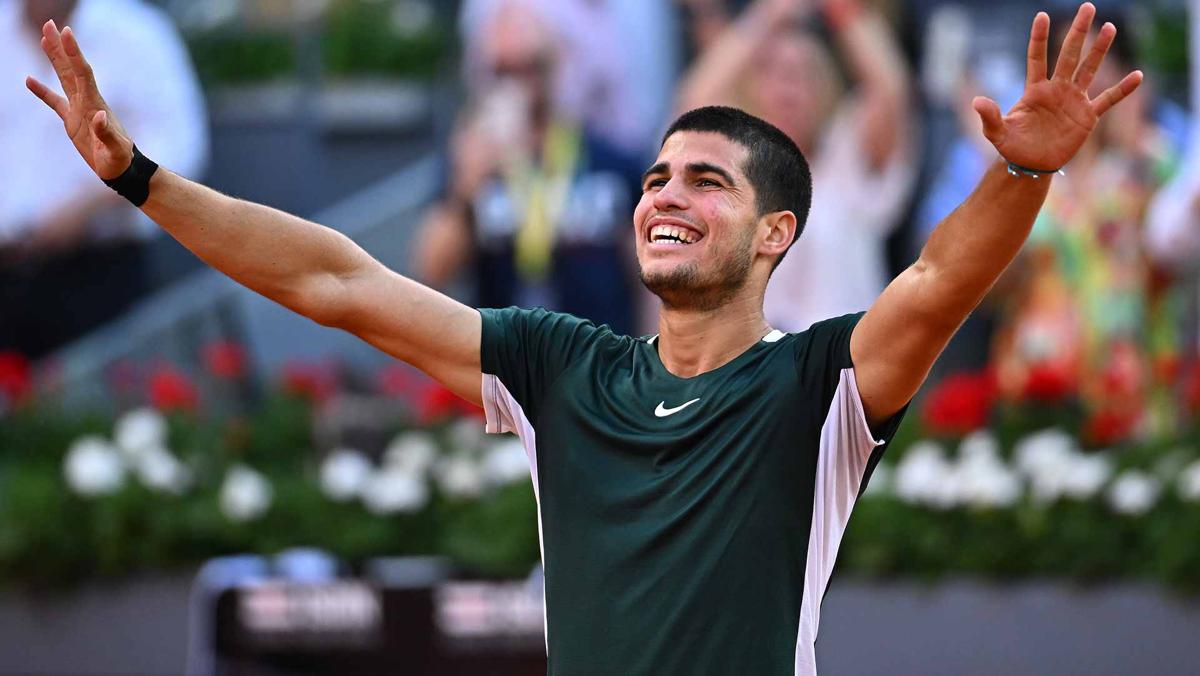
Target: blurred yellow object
[(543, 192)]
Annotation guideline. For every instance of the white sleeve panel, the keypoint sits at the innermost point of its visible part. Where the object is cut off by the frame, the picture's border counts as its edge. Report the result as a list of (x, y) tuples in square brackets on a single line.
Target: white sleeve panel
[(845, 448)]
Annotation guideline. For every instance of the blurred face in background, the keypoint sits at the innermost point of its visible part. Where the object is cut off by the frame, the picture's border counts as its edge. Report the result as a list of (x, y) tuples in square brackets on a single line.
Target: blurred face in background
[(520, 57), (38, 12), (695, 223), (794, 86)]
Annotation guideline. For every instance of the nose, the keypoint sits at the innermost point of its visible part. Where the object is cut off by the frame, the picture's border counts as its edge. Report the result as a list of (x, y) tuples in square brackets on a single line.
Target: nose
[(671, 196)]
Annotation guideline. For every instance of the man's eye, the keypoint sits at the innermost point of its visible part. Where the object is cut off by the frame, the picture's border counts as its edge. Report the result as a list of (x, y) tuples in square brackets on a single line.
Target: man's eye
[(708, 183), (656, 183)]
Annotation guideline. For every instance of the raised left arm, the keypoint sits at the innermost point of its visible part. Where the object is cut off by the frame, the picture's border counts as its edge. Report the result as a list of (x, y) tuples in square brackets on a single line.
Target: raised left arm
[(896, 343)]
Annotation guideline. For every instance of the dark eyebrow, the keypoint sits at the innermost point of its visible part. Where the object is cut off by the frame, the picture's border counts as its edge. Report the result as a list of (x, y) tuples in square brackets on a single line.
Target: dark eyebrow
[(660, 168), (708, 168), (693, 168)]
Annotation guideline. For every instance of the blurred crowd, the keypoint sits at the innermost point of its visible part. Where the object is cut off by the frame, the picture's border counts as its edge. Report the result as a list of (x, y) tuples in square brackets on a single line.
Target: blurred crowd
[(72, 253), (563, 104)]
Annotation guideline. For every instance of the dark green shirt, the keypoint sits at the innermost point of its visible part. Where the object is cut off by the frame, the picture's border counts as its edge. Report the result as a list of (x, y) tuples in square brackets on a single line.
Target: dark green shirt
[(688, 525)]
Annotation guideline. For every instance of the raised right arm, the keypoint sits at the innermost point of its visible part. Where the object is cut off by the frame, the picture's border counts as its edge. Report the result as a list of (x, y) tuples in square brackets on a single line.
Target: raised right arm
[(308, 268)]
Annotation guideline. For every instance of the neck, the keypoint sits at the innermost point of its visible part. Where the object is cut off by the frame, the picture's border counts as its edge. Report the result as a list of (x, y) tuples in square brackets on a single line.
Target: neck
[(692, 342)]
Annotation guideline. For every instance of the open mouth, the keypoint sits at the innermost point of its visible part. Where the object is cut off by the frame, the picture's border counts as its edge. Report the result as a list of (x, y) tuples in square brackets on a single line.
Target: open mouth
[(673, 234)]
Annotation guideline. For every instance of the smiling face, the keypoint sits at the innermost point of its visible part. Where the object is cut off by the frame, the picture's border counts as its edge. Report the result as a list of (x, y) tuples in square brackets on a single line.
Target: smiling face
[(700, 237)]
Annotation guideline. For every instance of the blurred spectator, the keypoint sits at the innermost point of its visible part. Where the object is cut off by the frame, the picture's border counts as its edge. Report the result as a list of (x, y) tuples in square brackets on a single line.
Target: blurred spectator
[(72, 251), (1173, 227), (617, 62), (536, 198), (1090, 315), (859, 142)]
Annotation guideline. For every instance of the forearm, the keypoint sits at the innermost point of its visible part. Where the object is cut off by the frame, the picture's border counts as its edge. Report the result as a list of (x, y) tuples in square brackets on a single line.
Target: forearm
[(74, 214), (708, 19), (896, 343), (716, 73), (969, 250), (443, 244), (880, 76), (865, 40), (297, 263)]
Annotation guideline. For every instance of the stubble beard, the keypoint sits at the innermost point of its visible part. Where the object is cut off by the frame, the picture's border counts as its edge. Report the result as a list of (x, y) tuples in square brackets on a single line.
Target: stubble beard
[(685, 288)]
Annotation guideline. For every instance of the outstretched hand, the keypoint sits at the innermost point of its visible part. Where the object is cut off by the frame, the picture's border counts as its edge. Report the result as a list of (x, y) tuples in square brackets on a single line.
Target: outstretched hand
[(1054, 117), (89, 122)]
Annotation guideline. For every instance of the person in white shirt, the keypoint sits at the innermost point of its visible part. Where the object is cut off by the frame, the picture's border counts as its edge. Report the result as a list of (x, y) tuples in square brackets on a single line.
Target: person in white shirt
[(70, 249), (860, 142), (1173, 220)]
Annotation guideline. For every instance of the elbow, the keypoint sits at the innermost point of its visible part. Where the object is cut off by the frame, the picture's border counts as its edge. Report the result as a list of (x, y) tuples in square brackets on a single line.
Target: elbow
[(322, 298), (943, 302)]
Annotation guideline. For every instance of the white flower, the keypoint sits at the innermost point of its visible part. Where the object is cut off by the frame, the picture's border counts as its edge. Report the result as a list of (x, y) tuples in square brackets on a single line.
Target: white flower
[(157, 469), (1086, 475), (466, 435), (1189, 482), (1133, 493), (393, 491), (245, 494), (924, 477), (344, 474), (1046, 458), (981, 443), (93, 467), (413, 452), (139, 430), (985, 481), (506, 463), (459, 477), (1041, 451), (881, 481)]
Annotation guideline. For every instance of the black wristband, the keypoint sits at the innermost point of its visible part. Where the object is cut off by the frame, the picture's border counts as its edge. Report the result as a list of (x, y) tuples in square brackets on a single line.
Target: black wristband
[(134, 184)]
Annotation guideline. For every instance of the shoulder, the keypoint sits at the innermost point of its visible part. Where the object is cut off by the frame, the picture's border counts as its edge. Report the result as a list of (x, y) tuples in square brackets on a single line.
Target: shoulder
[(826, 344), (542, 324)]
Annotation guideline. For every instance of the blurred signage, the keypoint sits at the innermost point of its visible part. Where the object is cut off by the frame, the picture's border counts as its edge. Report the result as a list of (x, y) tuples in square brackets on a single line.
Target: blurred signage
[(344, 613), (489, 615)]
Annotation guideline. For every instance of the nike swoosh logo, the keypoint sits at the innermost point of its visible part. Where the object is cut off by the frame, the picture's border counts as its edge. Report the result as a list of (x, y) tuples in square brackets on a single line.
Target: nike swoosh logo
[(662, 411)]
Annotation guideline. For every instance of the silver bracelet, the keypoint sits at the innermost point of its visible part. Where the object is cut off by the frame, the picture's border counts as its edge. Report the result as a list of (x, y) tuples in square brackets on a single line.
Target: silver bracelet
[(1018, 171)]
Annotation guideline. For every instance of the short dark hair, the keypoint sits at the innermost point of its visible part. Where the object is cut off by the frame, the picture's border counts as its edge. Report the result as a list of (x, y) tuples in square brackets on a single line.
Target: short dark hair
[(775, 166)]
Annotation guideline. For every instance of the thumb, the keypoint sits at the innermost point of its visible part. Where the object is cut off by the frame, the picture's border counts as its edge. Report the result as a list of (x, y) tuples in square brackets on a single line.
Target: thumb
[(993, 122), (102, 129)]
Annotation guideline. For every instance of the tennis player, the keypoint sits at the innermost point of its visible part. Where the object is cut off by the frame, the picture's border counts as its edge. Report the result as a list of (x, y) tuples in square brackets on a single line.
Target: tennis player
[(693, 486)]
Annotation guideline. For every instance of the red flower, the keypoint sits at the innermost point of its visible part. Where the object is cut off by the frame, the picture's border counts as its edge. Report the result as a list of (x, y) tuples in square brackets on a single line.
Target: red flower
[(1191, 386), (225, 360), (172, 390), (439, 403), (16, 376), (314, 382), (1047, 384), (1108, 427), (960, 403), (1167, 367)]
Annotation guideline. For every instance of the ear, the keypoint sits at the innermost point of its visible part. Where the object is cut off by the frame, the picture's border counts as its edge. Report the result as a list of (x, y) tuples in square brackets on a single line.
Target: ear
[(778, 229)]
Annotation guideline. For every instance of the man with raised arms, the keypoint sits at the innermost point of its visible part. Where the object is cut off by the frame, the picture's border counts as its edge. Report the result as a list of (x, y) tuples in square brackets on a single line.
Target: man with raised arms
[(692, 486)]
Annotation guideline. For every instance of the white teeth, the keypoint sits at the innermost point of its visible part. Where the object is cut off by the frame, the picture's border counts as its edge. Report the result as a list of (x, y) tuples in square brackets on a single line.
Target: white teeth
[(672, 234)]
